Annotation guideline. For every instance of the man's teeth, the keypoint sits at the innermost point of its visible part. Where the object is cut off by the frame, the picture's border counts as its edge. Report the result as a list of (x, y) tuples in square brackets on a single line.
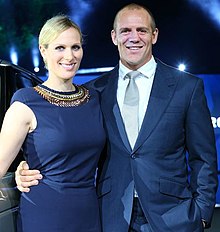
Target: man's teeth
[(134, 48)]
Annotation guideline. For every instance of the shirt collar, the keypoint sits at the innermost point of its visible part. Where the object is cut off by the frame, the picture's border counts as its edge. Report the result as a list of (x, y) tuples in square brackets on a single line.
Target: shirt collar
[(147, 70)]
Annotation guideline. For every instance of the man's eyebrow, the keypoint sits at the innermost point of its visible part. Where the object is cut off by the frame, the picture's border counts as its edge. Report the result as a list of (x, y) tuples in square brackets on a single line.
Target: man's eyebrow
[(124, 28), (138, 28), (146, 28)]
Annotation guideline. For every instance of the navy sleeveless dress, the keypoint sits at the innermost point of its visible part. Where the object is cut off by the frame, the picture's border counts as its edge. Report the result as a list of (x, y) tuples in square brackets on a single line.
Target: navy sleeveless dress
[(65, 147)]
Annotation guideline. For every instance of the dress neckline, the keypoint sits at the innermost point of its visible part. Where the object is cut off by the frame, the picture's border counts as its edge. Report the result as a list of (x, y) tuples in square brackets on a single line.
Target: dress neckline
[(60, 92), (64, 99)]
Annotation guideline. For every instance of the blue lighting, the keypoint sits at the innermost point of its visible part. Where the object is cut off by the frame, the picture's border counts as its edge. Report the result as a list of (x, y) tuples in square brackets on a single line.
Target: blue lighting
[(35, 53), (94, 70), (210, 7), (13, 55), (83, 10)]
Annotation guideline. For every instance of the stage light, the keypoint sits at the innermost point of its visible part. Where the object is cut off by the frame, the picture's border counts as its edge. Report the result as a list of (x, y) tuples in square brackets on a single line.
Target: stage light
[(36, 69), (13, 55), (182, 67)]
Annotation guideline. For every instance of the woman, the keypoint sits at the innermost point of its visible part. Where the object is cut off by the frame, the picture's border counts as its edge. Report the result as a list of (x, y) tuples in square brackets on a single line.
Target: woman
[(60, 127)]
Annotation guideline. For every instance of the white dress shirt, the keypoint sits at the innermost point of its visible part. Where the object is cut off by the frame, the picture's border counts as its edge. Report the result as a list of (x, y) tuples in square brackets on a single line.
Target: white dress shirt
[(144, 83)]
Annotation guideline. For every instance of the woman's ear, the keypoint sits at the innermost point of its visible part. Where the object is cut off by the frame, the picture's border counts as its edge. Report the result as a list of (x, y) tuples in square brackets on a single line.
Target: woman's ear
[(42, 51)]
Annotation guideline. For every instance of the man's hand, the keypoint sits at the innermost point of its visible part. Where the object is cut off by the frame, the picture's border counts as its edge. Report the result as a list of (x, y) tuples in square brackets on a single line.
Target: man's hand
[(26, 178)]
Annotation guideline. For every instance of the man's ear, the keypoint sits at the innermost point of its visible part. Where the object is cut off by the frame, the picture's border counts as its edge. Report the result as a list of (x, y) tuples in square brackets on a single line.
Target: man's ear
[(155, 36), (113, 35)]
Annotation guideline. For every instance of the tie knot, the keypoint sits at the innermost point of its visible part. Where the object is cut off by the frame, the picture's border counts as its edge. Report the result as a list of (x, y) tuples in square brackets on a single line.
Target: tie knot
[(132, 75)]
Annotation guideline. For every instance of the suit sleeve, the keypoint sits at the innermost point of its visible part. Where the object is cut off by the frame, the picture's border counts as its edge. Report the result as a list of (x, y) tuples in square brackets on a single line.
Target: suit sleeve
[(200, 142)]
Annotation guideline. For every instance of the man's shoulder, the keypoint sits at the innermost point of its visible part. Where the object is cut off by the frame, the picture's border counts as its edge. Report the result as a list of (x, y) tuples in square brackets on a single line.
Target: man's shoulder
[(101, 81), (168, 70)]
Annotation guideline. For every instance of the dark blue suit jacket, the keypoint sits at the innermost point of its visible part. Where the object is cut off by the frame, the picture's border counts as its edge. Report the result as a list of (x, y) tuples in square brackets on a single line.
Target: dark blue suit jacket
[(177, 121)]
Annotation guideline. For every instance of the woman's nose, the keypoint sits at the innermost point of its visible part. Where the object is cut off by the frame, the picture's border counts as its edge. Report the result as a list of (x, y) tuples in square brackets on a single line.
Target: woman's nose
[(68, 54)]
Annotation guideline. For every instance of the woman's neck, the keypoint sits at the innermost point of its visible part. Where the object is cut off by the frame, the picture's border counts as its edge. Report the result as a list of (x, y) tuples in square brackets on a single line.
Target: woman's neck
[(60, 86)]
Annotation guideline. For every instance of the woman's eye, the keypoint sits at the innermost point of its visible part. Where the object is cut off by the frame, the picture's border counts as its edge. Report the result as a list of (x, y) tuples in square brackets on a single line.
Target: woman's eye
[(60, 48), (76, 47)]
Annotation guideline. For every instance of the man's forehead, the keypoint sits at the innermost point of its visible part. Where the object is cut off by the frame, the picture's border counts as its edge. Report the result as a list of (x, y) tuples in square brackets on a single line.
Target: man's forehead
[(133, 24), (130, 12), (132, 17)]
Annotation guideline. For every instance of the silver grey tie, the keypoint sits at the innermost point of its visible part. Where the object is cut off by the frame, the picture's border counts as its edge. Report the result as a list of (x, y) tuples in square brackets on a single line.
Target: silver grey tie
[(131, 107)]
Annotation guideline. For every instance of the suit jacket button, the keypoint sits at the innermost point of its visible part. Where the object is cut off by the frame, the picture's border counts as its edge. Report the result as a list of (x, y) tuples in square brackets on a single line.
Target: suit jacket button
[(133, 156)]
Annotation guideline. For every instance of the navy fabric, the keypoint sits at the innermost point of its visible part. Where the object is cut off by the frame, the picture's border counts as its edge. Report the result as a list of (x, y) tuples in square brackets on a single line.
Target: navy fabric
[(65, 147)]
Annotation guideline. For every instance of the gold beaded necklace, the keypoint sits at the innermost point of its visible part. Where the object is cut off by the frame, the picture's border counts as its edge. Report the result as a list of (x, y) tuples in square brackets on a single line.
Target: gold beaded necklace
[(65, 99)]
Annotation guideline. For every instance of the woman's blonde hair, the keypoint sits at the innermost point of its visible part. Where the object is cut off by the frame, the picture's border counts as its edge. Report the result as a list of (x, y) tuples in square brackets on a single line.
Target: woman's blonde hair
[(54, 27)]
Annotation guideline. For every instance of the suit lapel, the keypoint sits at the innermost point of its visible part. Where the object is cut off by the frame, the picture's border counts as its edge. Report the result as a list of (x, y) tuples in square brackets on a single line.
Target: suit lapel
[(120, 126), (162, 91), (111, 109)]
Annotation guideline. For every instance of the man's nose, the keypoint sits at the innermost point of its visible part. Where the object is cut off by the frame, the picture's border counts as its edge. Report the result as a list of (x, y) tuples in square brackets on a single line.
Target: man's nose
[(134, 36)]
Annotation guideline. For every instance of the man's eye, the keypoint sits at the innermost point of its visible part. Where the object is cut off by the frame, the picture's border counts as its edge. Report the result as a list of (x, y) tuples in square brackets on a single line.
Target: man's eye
[(144, 31), (124, 31)]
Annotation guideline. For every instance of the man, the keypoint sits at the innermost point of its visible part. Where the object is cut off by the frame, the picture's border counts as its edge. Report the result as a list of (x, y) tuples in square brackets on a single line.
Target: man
[(151, 184)]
